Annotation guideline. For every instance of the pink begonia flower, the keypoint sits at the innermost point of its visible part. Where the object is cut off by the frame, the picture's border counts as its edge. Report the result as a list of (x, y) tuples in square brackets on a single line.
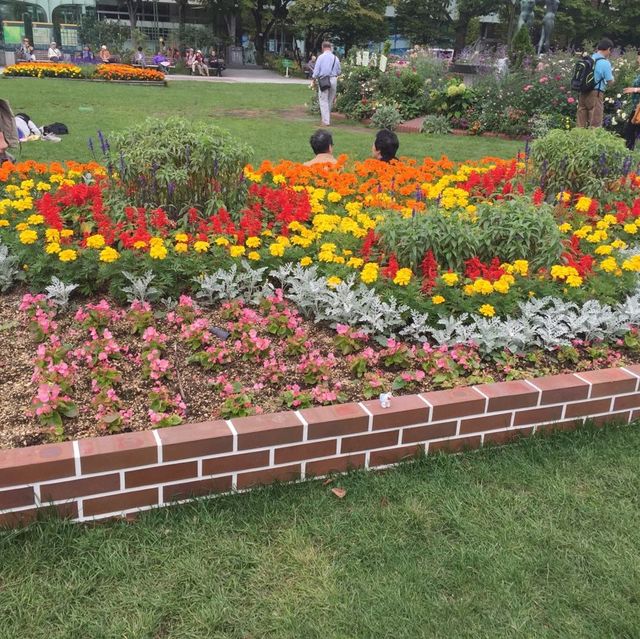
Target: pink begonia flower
[(571, 100), (341, 329)]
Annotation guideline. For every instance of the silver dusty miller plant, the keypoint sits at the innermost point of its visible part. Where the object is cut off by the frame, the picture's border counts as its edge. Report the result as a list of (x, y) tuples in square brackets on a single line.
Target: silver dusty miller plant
[(59, 293), (10, 273), (230, 284), (140, 288)]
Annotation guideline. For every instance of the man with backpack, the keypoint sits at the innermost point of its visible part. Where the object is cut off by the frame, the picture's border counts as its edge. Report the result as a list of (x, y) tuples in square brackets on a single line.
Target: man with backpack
[(591, 76)]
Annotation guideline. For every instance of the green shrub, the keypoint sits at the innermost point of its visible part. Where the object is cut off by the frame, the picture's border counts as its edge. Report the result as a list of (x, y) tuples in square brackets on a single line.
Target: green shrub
[(521, 48), (386, 116), (580, 160), (357, 88), (510, 230), (451, 236), (517, 229), (178, 163), (436, 125), (453, 101)]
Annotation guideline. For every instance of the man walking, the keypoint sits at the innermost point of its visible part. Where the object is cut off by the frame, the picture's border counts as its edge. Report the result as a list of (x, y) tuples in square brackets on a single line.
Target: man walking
[(591, 104), (325, 75)]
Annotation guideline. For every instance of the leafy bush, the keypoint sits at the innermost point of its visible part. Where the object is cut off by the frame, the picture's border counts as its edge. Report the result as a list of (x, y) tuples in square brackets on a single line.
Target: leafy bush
[(356, 89), (178, 163), (436, 125), (517, 229), (386, 116), (453, 101), (583, 161), (521, 48)]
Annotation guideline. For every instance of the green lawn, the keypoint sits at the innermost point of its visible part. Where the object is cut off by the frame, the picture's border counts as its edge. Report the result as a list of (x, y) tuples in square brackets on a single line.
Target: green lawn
[(281, 130), (540, 539)]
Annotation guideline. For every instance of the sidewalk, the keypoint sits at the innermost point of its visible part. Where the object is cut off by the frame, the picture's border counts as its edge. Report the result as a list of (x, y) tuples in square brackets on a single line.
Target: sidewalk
[(240, 75)]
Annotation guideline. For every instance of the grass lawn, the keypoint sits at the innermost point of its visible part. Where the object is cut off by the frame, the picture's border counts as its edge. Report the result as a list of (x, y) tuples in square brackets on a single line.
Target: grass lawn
[(540, 539), (270, 117)]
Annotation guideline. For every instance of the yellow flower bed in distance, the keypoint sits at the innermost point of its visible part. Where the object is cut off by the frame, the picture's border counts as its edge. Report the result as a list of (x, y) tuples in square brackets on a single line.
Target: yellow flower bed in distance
[(127, 72), (43, 70)]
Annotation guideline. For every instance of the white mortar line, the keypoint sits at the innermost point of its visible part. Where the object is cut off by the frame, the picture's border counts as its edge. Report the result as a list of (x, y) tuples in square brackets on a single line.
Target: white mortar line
[(368, 412), (430, 405), (234, 432), (486, 398), (586, 381), (626, 370), (156, 435), (538, 390), (36, 495), (76, 457), (199, 467), (80, 510), (366, 458), (234, 482), (305, 426), (272, 458), (303, 470)]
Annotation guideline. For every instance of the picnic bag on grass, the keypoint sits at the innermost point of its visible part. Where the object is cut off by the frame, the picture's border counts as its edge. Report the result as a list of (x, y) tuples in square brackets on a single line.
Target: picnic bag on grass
[(57, 128)]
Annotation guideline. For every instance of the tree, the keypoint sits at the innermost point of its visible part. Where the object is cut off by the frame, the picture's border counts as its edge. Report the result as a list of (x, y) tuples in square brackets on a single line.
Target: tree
[(133, 6), (521, 48), (266, 14), (351, 22), (423, 21)]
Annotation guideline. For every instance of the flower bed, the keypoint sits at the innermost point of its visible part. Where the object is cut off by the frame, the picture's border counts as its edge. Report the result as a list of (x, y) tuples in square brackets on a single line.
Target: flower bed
[(43, 70), (125, 72)]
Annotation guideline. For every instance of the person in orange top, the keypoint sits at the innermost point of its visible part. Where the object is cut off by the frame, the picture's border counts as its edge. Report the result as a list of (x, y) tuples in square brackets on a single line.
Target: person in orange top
[(322, 144), (105, 56)]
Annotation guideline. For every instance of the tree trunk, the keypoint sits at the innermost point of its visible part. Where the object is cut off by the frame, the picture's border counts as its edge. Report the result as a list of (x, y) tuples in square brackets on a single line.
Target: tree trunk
[(182, 18), (132, 9), (460, 35), (231, 22)]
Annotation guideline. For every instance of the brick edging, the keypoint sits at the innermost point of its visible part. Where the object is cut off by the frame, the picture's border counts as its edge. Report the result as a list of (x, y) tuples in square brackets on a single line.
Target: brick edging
[(115, 475)]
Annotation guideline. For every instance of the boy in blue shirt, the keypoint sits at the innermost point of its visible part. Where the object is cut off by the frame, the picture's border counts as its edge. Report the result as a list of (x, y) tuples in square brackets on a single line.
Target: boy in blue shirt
[(591, 104)]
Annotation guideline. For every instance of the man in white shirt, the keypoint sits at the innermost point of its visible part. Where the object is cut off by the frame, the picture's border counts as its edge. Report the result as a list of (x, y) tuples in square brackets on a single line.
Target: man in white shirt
[(327, 69)]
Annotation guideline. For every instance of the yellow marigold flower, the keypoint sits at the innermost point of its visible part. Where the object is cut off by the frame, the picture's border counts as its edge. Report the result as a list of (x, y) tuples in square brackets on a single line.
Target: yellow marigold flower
[(28, 236), (108, 254), (632, 264), (437, 299), (326, 256), (22, 226), (597, 236), (609, 265), (35, 219), (333, 281), (487, 310), (253, 242), (355, 262), (181, 237), (450, 279), (565, 227), (338, 259), (403, 277), (521, 267), (237, 250), (468, 289), (574, 281), (583, 231), (95, 241), (501, 286), (253, 255), (277, 250), (632, 229), (284, 240), (43, 186), (306, 261), (222, 241), (52, 248), (52, 235), (603, 249), (278, 179), (267, 233), (619, 244), (583, 204), (334, 196), (482, 286), (66, 233), (369, 273), (181, 247), (610, 219), (200, 246), (564, 196), (68, 255), (140, 244), (4, 222), (158, 251)]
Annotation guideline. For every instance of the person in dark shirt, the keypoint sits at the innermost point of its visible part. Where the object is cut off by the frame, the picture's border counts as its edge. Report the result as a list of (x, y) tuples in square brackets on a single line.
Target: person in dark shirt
[(385, 146)]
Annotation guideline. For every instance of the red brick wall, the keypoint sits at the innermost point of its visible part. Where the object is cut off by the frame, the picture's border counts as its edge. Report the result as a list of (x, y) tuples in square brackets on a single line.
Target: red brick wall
[(108, 476)]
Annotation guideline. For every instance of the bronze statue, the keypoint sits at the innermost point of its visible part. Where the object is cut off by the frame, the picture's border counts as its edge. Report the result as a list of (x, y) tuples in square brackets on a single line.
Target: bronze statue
[(548, 22)]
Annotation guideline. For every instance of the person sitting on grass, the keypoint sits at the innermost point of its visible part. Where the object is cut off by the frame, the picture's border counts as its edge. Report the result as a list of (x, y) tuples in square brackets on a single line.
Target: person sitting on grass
[(54, 54), (385, 146), (322, 144)]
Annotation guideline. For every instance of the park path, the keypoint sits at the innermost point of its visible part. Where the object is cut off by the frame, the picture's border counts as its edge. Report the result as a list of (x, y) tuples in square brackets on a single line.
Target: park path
[(241, 76)]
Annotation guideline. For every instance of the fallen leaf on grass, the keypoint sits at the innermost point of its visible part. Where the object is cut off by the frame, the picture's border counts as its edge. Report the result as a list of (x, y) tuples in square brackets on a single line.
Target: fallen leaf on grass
[(339, 492), (384, 502), (326, 482)]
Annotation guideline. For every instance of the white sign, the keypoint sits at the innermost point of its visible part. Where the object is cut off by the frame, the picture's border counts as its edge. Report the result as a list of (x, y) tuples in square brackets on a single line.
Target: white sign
[(365, 58), (383, 63), (359, 59)]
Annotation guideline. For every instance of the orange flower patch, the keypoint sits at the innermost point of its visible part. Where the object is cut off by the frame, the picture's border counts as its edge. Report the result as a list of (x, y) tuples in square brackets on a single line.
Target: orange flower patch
[(127, 72)]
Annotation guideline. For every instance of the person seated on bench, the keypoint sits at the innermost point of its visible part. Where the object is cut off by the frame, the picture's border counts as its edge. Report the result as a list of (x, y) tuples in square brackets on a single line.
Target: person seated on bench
[(309, 66), (87, 55), (139, 58), (160, 60), (105, 56), (216, 63), (54, 54), (198, 63), (24, 52), (322, 144)]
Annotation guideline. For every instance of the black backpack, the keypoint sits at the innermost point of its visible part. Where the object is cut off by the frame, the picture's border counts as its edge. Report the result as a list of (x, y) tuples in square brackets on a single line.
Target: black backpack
[(57, 128), (583, 78)]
